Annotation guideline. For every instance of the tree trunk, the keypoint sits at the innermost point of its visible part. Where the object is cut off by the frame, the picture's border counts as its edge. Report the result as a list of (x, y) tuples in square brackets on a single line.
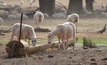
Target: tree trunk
[(75, 6), (89, 5), (47, 6)]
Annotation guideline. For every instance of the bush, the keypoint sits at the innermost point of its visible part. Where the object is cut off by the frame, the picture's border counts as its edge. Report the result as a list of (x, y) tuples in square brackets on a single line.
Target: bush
[(88, 43)]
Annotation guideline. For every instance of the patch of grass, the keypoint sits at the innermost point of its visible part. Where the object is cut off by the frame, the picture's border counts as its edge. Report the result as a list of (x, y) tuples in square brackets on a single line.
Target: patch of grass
[(4, 42), (42, 40), (88, 43), (80, 40), (99, 40), (96, 40)]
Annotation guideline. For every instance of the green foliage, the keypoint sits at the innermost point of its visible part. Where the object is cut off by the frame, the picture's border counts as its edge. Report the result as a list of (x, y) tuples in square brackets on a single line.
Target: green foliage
[(4, 42), (88, 43)]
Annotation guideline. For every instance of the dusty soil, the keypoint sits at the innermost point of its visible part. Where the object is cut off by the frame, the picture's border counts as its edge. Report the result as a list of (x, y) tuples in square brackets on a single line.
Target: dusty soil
[(95, 56)]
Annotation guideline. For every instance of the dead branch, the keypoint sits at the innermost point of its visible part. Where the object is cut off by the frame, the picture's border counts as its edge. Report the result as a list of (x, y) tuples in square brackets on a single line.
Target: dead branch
[(102, 30), (64, 7)]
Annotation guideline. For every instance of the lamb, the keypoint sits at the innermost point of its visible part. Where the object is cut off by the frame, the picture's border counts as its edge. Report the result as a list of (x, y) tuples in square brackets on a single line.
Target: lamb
[(63, 32), (38, 17), (27, 33), (74, 18)]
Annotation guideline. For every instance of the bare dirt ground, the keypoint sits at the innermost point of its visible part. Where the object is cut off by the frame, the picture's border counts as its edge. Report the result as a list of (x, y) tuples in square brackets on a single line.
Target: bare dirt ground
[(95, 56)]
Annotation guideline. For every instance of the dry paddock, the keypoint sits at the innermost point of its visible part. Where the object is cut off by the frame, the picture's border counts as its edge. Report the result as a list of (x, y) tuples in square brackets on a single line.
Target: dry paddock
[(87, 27)]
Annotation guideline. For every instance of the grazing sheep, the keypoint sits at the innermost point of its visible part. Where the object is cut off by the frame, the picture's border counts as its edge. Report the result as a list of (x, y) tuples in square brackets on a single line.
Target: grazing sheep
[(38, 17), (74, 18), (63, 32), (27, 33)]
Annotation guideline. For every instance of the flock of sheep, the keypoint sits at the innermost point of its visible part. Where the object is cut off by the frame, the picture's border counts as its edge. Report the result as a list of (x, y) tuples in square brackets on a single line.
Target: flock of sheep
[(63, 31)]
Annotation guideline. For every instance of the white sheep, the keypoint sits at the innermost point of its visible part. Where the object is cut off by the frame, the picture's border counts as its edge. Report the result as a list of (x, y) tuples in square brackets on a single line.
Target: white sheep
[(38, 17), (27, 33), (74, 18), (63, 32)]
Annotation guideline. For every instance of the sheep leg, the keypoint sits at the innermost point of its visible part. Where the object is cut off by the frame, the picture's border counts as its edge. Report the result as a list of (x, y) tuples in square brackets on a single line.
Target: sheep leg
[(66, 44), (63, 44), (37, 25), (74, 43), (29, 41), (12, 35), (59, 45), (76, 27)]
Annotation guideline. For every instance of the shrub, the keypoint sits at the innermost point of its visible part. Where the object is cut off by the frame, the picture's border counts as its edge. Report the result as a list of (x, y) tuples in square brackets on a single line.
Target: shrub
[(88, 43)]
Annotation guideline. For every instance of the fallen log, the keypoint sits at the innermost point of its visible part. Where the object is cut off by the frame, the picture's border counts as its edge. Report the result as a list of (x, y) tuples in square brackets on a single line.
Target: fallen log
[(102, 30), (13, 49)]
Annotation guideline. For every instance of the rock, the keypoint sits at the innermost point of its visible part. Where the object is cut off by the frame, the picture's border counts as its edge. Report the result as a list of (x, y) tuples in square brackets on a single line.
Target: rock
[(50, 56), (92, 59), (104, 59), (93, 63)]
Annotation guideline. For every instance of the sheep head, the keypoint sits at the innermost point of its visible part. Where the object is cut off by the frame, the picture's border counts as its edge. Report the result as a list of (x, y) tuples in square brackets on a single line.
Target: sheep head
[(50, 37), (34, 42)]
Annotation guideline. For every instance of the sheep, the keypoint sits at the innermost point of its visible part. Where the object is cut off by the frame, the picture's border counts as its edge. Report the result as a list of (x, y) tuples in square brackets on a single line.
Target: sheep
[(38, 17), (74, 18), (27, 33), (63, 32)]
